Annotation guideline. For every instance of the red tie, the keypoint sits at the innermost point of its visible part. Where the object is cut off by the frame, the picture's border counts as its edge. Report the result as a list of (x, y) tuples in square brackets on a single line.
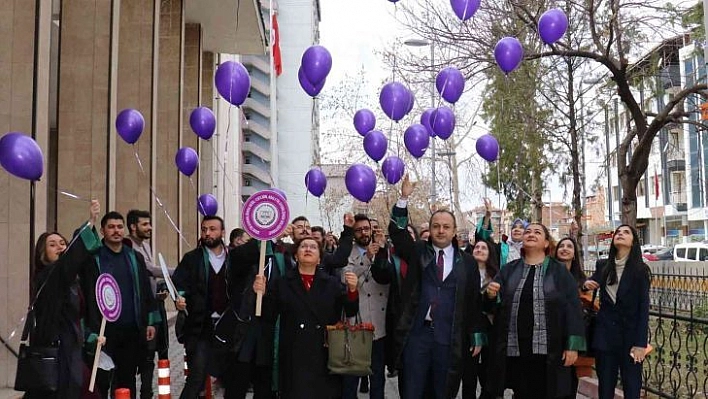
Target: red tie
[(441, 265)]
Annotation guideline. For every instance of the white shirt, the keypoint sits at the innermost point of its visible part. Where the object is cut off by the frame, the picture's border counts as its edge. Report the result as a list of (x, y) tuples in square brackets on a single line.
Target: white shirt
[(216, 261), (448, 257)]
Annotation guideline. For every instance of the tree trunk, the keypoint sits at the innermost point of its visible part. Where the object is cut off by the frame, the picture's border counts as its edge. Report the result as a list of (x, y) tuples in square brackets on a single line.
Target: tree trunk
[(628, 203)]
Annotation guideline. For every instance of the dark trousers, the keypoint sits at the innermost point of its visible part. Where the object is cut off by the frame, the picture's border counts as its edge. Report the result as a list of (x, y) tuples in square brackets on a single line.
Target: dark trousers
[(527, 376), (244, 374), (204, 362), (126, 346), (475, 369), (377, 381), (424, 358), (608, 364), (159, 345)]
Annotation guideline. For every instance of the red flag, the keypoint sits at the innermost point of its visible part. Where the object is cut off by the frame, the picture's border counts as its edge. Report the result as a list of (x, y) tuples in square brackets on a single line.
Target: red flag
[(275, 34), (656, 185)]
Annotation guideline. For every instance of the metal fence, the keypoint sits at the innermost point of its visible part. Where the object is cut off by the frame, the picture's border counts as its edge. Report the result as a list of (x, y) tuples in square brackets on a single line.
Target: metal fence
[(678, 331)]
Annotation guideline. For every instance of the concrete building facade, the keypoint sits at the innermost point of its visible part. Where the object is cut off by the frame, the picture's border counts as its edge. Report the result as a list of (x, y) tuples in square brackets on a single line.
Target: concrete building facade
[(68, 67)]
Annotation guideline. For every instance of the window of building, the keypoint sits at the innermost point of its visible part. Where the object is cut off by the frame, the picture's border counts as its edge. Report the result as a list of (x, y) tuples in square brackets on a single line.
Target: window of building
[(640, 188), (247, 159), (247, 137), (247, 182)]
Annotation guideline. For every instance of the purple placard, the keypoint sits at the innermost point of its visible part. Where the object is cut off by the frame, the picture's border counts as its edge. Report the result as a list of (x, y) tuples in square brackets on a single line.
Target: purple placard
[(265, 215), (108, 297)]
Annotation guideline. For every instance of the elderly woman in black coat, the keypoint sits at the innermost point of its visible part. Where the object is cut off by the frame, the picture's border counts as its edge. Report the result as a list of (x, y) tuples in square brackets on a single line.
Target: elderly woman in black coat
[(58, 302), (307, 300), (539, 324)]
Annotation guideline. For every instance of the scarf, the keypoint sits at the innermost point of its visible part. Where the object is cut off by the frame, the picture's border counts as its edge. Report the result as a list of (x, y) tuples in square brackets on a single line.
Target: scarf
[(539, 344), (514, 250)]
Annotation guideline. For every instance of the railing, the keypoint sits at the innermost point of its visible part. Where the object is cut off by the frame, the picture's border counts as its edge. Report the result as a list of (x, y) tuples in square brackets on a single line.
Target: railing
[(678, 197), (678, 331)]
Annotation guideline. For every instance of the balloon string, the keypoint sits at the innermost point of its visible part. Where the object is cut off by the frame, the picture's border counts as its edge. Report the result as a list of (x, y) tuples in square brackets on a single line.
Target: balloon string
[(191, 183), (169, 218), (157, 199), (499, 196)]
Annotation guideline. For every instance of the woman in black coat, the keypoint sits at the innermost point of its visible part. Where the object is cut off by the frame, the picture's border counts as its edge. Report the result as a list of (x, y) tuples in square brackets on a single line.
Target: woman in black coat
[(538, 324), (567, 252), (58, 302), (307, 300), (622, 324), (478, 367)]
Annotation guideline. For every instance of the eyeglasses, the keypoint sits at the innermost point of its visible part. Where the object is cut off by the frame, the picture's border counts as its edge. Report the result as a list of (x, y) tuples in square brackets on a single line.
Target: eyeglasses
[(313, 247), (362, 230)]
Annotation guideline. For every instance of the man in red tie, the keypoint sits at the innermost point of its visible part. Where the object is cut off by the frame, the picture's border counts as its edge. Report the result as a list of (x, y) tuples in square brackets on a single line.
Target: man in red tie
[(441, 312)]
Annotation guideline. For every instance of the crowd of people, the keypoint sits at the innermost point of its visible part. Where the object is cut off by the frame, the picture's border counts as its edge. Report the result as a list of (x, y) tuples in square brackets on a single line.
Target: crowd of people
[(447, 313)]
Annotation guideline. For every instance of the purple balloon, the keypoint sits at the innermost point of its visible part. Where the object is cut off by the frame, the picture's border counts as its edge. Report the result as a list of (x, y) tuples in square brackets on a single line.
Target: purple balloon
[(187, 160), (393, 169), (552, 25), (207, 205), (316, 63), (442, 121), (364, 121), (465, 9), (361, 182), (394, 100), (416, 139), (310, 89), (233, 82), (375, 145), (450, 84), (425, 121), (21, 156), (130, 124), (487, 147), (508, 52), (411, 102), (203, 122), (316, 181)]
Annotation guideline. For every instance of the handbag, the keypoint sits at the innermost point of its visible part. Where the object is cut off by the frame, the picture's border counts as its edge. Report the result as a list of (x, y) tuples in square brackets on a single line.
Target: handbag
[(350, 347), (37, 366), (229, 332), (590, 310)]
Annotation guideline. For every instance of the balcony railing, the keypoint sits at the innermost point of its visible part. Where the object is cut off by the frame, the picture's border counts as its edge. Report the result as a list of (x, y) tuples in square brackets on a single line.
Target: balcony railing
[(678, 199)]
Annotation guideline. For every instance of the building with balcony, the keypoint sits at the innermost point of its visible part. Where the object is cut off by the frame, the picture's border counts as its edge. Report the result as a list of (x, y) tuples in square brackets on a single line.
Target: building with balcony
[(69, 67), (693, 163), (661, 213)]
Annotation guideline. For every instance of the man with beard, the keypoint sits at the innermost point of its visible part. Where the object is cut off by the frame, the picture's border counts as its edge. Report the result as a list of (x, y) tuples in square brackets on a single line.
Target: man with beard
[(127, 337), (373, 297), (331, 262), (140, 232), (202, 281)]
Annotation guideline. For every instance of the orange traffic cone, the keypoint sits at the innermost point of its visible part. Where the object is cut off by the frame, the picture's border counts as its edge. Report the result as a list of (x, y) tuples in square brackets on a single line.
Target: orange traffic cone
[(186, 366), (163, 379)]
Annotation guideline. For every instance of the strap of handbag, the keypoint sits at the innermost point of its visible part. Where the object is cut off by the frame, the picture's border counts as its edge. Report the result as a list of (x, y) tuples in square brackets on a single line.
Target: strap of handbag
[(30, 322)]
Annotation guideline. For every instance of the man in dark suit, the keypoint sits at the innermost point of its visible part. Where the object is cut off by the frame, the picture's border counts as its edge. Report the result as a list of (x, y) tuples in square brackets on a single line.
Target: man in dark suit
[(440, 321)]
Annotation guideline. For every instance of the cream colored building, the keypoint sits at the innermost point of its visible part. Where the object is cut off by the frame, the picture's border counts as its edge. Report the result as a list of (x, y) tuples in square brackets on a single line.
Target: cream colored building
[(67, 67)]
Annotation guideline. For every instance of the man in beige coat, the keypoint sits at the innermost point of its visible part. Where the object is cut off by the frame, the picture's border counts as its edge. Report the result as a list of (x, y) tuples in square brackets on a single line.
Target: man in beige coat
[(368, 248)]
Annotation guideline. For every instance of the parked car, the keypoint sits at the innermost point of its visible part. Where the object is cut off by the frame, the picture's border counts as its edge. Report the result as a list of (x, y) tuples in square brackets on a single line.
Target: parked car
[(665, 254), (691, 252)]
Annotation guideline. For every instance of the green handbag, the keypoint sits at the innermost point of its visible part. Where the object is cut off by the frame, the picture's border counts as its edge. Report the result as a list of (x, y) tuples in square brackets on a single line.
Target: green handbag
[(349, 347)]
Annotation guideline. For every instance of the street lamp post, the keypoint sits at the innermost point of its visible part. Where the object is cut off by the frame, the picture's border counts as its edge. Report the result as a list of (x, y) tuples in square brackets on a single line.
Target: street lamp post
[(424, 43)]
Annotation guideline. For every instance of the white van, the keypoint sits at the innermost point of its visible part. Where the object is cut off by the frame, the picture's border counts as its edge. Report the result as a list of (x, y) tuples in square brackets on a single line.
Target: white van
[(691, 252)]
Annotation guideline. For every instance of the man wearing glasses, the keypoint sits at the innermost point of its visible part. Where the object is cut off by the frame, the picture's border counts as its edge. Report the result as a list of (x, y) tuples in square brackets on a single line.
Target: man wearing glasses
[(369, 248)]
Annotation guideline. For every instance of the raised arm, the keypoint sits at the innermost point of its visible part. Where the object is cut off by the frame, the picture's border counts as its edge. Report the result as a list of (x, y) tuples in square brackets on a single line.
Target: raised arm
[(397, 227), (340, 257)]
